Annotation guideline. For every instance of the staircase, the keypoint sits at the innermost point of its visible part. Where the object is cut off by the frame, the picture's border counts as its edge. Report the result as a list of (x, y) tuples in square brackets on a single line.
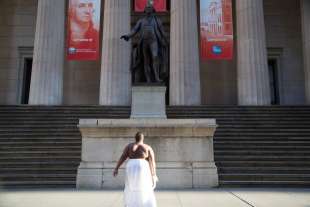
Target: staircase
[(41, 146), (258, 146)]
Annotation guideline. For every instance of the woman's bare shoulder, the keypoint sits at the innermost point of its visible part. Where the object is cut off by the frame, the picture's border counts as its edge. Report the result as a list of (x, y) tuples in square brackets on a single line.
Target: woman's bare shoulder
[(148, 147), (128, 146)]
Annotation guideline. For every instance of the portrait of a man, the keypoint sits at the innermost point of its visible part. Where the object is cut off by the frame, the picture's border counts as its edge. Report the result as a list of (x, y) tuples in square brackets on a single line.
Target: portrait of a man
[(83, 34)]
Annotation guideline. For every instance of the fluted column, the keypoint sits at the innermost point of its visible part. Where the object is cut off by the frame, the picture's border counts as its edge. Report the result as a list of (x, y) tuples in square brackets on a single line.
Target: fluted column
[(305, 13), (253, 75), (184, 54), (48, 62), (115, 85)]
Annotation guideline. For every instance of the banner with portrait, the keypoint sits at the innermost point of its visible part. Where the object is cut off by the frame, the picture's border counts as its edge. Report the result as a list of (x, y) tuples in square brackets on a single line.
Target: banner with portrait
[(83, 29), (159, 5), (216, 29)]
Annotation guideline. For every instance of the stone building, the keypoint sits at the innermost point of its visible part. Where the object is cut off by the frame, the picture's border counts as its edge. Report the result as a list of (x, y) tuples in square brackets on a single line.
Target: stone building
[(260, 99), (270, 65)]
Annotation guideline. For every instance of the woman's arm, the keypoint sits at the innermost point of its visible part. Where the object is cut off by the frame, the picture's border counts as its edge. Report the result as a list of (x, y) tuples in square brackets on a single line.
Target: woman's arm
[(121, 160), (152, 162)]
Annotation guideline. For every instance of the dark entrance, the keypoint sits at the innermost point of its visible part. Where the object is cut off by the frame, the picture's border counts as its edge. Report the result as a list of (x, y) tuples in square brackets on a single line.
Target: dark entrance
[(26, 80), (273, 81)]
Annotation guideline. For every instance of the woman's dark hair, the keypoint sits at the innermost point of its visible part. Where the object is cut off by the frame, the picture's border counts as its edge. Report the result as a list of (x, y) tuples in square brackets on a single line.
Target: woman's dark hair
[(139, 136)]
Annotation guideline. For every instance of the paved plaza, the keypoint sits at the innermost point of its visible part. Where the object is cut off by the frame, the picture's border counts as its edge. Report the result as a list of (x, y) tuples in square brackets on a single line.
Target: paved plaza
[(261, 197)]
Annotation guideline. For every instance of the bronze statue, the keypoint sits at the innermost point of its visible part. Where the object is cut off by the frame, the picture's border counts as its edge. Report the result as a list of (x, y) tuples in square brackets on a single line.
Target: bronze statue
[(150, 56)]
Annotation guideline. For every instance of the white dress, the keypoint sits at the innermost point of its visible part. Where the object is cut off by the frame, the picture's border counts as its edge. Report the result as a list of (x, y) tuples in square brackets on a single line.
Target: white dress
[(138, 190)]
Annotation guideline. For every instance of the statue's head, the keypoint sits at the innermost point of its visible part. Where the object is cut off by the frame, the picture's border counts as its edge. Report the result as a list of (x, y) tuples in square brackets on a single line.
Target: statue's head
[(149, 9)]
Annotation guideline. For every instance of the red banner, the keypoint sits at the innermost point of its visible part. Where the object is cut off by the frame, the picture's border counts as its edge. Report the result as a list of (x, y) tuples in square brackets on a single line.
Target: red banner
[(83, 30), (159, 5), (216, 29)]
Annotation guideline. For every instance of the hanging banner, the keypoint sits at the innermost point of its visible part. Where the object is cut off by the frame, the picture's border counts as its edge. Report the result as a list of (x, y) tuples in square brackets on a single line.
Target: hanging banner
[(83, 29), (216, 29), (159, 5)]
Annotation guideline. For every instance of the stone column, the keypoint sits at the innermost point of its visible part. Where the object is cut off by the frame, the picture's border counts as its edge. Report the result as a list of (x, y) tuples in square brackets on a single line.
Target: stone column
[(305, 14), (115, 85), (253, 75), (184, 54), (48, 60)]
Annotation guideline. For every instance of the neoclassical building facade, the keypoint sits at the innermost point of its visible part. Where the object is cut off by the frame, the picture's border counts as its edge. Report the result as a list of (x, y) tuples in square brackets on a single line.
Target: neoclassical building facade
[(271, 63)]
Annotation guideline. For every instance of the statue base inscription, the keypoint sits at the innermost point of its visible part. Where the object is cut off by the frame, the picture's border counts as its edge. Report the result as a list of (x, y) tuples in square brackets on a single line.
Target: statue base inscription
[(183, 151)]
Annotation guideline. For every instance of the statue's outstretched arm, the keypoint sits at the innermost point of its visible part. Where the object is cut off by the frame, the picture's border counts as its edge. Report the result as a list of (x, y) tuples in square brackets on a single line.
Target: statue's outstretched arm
[(135, 29), (133, 32)]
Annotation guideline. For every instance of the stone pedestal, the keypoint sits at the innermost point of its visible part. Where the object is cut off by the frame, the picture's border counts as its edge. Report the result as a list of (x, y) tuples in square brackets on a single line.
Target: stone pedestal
[(183, 151), (148, 102)]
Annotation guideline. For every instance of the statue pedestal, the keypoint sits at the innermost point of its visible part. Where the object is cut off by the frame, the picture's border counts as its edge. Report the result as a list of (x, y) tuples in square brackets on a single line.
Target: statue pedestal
[(183, 151), (148, 102), (183, 147)]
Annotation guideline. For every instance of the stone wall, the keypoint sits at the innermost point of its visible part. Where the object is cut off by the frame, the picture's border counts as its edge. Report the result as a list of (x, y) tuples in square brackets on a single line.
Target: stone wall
[(81, 82), (219, 82), (283, 28), (219, 79), (17, 28)]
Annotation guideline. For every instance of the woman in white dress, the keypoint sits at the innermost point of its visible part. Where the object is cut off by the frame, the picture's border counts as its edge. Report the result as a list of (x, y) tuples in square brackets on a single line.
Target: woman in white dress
[(140, 174)]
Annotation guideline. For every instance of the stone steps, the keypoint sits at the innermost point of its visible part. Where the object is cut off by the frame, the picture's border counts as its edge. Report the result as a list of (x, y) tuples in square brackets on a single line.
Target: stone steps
[(68, 127), (258, 146), (246, 140), (264, 163), (35, 169), (39, 149), (32, 134), (254, 146), (34, 184), (265, 177), (38, 176), (31, 164), (262, 141), (261, 152), (264, 183), (269, 170), (265, 147), (40, 146), (261, 133), (61, 125), (255, 157)]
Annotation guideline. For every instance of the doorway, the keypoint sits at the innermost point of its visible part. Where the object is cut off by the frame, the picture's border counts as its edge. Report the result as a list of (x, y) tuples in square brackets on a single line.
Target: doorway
[(26, 80), (274, 81), (24, 74)]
